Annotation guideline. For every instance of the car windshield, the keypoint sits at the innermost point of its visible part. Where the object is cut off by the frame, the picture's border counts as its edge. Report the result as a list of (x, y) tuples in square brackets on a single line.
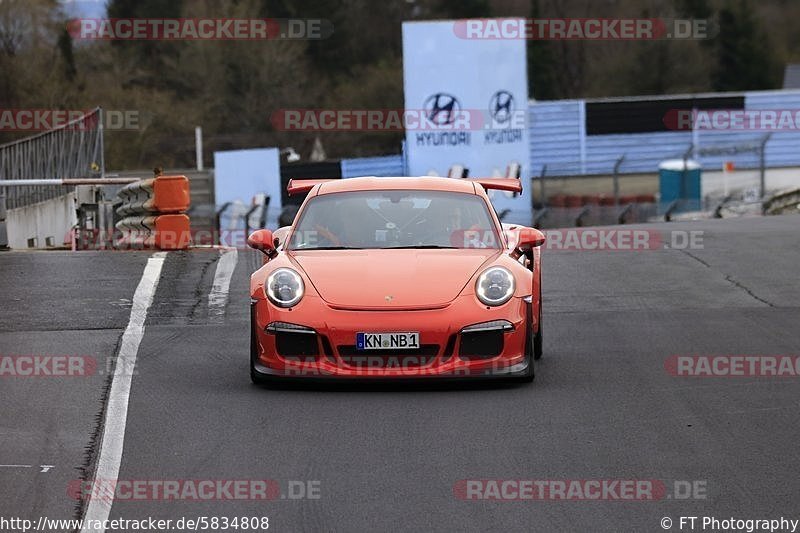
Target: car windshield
[(394, 219)]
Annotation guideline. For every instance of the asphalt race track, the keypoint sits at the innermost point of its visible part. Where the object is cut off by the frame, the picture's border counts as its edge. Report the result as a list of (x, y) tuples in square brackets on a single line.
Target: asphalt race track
[(603, 405)]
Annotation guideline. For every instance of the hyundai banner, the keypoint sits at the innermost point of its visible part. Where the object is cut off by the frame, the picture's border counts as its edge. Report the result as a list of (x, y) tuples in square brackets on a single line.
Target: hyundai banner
[(473, 95)]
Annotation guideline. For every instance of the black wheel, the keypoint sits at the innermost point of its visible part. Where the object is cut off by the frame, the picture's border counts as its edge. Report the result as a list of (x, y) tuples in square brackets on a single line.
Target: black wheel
[(255, 376), (537, 339), (529, 374)]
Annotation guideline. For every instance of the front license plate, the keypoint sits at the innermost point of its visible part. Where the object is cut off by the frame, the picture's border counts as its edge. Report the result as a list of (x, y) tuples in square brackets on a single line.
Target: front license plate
[(387, 341)]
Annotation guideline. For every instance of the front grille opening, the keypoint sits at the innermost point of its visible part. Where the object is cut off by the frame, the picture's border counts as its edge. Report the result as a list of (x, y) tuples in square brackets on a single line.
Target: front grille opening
[(481, 344), (296, 344), (424, 349), (388, 359)]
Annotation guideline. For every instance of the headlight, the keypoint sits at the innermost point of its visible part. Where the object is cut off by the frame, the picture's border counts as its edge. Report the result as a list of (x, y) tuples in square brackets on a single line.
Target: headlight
[(284, 287), (495, 286)]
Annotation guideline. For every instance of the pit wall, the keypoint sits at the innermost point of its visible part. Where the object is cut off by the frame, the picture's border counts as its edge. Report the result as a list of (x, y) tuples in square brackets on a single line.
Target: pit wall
[(43, 225)]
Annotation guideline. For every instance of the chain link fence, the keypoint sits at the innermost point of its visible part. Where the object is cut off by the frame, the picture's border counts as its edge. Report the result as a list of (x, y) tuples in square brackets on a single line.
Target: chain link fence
[(625, 190)]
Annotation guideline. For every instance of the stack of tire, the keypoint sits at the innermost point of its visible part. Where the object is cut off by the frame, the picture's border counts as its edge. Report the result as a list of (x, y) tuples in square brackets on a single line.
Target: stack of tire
[(154, 215)]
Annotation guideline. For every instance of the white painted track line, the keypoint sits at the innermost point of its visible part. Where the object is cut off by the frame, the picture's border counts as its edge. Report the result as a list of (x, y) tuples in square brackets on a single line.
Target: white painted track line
[(116, 414), (218, 297)]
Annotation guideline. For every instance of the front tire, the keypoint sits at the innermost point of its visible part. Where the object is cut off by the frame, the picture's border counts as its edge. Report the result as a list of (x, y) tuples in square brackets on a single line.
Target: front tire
[(538, 349), (255, 376), (530, 356)]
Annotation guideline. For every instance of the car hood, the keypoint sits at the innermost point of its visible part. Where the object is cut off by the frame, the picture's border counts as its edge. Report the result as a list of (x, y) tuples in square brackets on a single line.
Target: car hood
[(391, 279)]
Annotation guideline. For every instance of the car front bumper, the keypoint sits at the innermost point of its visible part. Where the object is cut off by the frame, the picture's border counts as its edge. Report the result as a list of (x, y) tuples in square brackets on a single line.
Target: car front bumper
[(325, 347)]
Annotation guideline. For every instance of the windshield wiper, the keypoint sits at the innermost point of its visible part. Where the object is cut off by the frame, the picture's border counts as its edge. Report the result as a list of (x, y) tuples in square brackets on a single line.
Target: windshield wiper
[(421, 247)]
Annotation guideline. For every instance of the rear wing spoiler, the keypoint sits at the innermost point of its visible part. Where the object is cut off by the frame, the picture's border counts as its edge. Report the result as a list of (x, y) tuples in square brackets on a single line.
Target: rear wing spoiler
[(499, 184), (303, 186)]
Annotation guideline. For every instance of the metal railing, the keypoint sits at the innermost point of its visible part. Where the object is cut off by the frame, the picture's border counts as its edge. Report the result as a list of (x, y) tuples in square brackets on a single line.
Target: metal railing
[(71, 151)]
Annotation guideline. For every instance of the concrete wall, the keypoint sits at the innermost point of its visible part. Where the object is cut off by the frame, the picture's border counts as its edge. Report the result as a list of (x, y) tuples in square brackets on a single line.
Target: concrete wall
[(715, 182), (48, 219)]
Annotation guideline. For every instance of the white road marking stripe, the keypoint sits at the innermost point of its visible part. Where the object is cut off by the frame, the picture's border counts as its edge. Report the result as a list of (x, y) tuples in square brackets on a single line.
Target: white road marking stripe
[(117, 409), (218, 297), (16, 466)]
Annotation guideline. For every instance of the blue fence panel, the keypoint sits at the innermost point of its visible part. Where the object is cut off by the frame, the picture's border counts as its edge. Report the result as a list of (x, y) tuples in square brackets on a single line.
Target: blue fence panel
[(555, 136), (390, 165), (783, 148), (643, 151)]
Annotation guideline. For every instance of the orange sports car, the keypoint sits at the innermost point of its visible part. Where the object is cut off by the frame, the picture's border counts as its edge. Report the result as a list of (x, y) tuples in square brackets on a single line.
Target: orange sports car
[(397, 278)]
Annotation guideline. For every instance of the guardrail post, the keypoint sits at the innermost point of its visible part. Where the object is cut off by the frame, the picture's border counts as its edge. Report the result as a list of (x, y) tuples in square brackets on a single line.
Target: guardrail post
[(579, 218), (670, 208), (763, 165), (537, 220), (542, 179), (616, 179), (624, 213), (3, 228), (720, 206), (218, 220), (263, 219), (543, 202)]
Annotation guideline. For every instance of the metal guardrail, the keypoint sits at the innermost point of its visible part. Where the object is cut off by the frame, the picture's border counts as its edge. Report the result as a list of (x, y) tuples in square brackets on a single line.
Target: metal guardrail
[(781, 202)]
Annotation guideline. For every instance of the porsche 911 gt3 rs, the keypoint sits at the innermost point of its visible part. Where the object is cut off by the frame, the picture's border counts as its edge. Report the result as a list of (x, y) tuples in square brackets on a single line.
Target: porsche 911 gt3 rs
[(397, 278)]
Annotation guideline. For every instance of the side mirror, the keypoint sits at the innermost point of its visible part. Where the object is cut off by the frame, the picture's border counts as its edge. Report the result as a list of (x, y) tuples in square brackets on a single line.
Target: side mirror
[(523, 240), (262, 240), (530, 238)]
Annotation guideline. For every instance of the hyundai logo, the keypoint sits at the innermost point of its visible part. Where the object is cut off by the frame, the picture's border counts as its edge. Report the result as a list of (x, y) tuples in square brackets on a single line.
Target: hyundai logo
[(501, 106), (442, 108)]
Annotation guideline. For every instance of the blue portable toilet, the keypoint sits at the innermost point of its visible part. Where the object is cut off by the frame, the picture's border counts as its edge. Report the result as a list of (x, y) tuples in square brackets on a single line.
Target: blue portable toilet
[(680, 180)]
